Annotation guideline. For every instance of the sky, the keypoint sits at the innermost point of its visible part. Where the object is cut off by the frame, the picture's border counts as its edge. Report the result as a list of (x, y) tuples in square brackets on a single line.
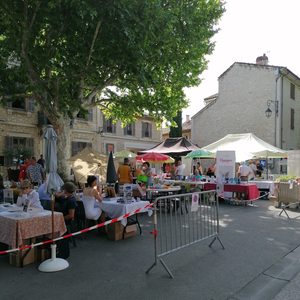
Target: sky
[(248, 29)]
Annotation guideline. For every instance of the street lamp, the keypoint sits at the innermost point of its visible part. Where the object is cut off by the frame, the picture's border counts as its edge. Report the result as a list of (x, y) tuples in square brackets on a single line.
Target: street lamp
[(268, 111)]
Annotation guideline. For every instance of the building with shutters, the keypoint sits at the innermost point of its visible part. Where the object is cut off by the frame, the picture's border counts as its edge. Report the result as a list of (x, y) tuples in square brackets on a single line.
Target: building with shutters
[(22, 125)]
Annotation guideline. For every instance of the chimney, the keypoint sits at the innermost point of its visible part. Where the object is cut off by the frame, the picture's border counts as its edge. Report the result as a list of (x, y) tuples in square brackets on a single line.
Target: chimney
[(262, 60), (187, 118)]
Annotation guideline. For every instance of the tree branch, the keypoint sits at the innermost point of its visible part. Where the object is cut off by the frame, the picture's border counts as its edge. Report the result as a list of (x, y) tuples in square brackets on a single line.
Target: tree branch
[(34, 14), (32, 74), (93, 44)]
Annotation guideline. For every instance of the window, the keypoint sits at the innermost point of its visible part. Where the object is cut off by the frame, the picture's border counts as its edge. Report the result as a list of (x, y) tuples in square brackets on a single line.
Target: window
[(78, 146), (292, 91), (109, 126), (17, 104), (129, 129), (292, 118), (110, 148), (86, 115), (17, 148), (21, 104), (146, 129)]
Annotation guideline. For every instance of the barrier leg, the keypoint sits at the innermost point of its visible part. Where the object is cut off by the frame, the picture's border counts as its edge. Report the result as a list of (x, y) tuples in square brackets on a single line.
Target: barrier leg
[(151, 267), (216, 238), (284, 210), (166, 268)]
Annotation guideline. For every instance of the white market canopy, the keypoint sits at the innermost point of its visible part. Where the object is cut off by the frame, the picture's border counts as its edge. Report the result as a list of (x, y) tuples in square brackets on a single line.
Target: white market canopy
[(88, 162), (246, 146)]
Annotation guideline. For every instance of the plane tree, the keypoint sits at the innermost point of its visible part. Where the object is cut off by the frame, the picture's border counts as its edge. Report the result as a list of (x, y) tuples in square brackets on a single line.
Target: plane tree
[(129, 57)]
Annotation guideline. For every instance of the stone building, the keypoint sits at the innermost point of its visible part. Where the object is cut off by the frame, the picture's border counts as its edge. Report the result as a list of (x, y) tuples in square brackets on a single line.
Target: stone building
[(22, 125), (252, 98)]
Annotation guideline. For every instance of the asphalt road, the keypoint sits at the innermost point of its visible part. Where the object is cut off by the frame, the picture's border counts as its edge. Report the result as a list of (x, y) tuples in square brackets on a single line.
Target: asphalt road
[(257, 263)]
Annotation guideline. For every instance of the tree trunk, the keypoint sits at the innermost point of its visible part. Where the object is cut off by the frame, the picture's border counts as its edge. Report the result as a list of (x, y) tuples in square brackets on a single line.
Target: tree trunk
[(62, 128), (177, 131)]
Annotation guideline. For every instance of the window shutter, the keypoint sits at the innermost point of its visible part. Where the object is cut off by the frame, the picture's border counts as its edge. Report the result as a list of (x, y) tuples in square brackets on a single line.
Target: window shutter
[(30, 143), (9, 142), (30, 105), (74, 149), (104, 125), (90, 115)]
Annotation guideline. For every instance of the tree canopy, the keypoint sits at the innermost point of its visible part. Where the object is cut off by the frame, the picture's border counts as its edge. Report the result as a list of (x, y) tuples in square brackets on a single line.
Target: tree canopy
[(127, 56)]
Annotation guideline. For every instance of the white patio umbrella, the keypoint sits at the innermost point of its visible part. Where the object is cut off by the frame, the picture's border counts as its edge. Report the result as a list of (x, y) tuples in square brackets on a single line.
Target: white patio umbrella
[(53, 184)]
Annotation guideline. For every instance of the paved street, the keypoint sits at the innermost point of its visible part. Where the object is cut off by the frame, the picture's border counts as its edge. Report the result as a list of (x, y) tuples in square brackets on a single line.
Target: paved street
[(259, 261)]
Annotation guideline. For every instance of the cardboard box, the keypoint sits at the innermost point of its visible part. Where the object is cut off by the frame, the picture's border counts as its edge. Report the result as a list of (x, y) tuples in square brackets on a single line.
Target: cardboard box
[(43, 254), (28, 257), (115, 231)]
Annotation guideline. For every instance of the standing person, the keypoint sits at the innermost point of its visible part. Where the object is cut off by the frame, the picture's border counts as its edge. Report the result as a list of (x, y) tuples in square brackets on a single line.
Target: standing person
[(199, 168), (253, 167), (35, 172), (244, 172), (180, 170), (23, 169), (147, 172), (28, 197), (41, 161), (124, 172), (259, 168), (211, 170)]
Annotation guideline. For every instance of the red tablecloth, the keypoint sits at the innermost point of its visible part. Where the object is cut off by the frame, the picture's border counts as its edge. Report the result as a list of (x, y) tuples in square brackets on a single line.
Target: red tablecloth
[(250, 190)]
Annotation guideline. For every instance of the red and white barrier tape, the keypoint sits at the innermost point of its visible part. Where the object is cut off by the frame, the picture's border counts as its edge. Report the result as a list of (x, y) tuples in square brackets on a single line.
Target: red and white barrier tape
[(78, 232)]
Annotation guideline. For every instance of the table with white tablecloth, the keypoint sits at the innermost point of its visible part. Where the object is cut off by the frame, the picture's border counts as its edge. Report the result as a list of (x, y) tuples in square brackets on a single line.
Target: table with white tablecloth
[(114, 208), (18, 226), (264, 185)]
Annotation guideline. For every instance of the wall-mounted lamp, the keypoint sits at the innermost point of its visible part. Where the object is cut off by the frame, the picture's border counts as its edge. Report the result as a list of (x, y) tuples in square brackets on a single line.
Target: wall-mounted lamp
[(71, 123), (100, 131), (268, 111)]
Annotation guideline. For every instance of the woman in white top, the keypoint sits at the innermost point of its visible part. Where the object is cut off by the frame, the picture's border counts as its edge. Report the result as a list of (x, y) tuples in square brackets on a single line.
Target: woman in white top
[(28, 196), (91, 199)]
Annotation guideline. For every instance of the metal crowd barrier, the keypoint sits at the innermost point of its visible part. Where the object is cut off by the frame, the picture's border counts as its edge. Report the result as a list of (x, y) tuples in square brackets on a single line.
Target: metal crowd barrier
[(183, 220), (288, 196)]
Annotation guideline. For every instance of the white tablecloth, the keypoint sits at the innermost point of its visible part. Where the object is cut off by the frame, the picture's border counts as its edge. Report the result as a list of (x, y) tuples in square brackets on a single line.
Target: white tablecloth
[(264, 184), (116, 209)]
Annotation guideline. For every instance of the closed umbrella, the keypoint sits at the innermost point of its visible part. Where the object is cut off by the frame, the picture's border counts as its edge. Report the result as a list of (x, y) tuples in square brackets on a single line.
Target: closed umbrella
[(53, 183), (111, 176)]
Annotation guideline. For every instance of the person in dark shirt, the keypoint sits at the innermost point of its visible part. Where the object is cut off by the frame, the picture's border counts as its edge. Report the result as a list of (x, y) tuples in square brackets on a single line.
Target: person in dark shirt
[(66, 201), (41, 161)]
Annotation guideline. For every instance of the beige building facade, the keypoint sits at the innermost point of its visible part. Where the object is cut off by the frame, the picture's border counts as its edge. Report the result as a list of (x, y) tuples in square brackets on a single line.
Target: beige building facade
[(22, 125), (252, 98)]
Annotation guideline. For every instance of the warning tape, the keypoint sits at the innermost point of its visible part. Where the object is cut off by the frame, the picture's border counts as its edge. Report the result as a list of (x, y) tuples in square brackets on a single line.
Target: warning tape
[(24, 247)]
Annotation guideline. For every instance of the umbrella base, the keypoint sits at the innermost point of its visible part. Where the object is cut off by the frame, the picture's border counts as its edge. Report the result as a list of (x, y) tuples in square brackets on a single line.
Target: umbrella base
[(53, 264)]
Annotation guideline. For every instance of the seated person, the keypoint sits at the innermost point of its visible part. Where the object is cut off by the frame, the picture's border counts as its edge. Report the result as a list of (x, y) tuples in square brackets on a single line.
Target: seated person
[(91, 198), (28, 196), (45, 197), (67, 201)]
